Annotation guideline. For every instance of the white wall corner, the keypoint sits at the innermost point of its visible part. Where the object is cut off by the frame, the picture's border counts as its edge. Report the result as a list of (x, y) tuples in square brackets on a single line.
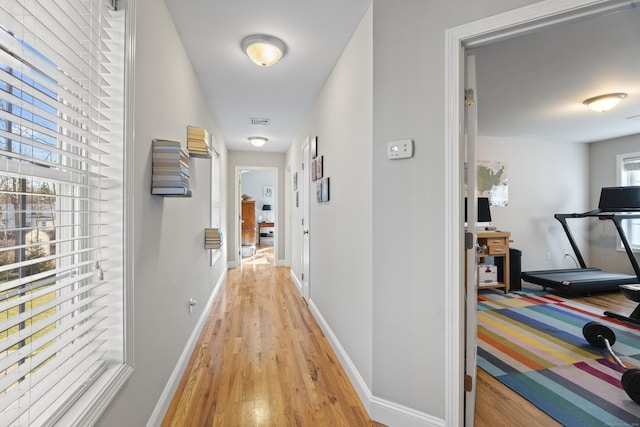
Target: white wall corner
[(170, 388), (379, 410)]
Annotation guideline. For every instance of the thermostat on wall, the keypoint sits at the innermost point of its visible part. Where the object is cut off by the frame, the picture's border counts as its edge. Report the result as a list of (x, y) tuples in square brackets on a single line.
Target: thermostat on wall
[(401, 149)]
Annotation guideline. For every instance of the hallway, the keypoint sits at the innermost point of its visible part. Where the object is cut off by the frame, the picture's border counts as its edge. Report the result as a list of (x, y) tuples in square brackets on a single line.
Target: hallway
[(263, 361)]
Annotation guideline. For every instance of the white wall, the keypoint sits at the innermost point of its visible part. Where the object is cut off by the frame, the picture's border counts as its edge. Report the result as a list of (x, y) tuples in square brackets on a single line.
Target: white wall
[(170, 263), (603, 174), (244, 160), (341, 230), (408, 195), (545, 178)]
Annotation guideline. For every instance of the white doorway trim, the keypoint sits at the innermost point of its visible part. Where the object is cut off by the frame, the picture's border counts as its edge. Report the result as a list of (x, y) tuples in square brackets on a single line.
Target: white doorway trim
[(535, 17)]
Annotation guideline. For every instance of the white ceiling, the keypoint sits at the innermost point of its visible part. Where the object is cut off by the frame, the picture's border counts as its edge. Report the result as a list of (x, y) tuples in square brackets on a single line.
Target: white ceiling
[(316, 33), (531, 87)]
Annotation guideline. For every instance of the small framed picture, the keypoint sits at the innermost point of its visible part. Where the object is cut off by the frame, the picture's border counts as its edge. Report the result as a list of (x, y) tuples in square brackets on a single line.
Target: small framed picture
[(295, 181), (314, 147), (297, 200), (314, 170), (325, 189), (319, 191), (319, 167), (268, 191)]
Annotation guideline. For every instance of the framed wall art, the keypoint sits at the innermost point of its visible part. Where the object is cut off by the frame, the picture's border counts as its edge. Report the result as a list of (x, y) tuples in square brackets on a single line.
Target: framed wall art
[(319, 162), (325, 189), (314, 147)]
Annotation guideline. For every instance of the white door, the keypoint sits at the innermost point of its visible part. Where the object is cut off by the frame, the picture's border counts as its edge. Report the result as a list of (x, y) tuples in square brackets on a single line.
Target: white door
[(239, 217), (471, 296), (304, 200)]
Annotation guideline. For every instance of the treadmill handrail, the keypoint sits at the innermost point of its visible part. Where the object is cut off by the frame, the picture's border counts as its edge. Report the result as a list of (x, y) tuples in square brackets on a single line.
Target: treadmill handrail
[(601, 215), (576, 250)]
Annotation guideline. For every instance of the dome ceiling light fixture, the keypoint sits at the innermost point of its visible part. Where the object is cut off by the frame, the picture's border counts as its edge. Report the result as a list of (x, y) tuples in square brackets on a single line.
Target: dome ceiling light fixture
[(257, 141), (264, 50), (605, 102)]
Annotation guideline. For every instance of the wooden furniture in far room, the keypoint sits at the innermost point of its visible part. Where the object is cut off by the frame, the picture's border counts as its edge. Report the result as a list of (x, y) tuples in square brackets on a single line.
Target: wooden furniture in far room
[(262, 225), (496, 244), (248, 223)]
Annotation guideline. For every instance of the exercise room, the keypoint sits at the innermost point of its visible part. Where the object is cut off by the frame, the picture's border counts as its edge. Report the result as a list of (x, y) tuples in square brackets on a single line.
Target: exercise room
[(563, 182)]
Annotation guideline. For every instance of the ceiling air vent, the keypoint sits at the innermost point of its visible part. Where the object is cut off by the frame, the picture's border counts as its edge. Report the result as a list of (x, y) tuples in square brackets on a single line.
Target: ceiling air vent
[(260, 122)]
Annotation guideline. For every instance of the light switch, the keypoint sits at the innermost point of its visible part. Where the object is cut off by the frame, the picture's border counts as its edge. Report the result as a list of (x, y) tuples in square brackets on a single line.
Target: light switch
[(401, 149)]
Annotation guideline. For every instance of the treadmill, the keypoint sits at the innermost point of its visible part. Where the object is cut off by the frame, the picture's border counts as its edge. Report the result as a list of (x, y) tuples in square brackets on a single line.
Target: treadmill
[(616, 204)]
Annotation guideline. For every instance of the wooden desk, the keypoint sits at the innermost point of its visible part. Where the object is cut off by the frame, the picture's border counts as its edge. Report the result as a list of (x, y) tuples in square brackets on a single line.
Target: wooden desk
[(262, 225), (496, 244)]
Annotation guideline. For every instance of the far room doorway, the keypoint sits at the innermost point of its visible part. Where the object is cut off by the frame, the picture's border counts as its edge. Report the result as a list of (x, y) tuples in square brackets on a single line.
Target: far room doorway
[(257, 205)]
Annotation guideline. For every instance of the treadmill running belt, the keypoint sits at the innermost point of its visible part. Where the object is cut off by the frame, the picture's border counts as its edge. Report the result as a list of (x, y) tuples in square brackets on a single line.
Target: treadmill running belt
[(579, 279)]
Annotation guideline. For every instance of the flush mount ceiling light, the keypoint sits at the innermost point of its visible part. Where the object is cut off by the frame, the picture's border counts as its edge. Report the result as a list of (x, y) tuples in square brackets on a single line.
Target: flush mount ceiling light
[(257, 141), (264, 50), (604, 102)]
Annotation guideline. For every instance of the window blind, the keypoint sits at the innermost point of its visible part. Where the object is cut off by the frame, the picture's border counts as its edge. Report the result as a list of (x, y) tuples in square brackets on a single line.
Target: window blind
[(631, 164), (61, 131), (629, 167)]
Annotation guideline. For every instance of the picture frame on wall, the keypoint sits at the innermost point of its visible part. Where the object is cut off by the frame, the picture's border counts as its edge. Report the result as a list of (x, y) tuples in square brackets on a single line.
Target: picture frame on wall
[(325, 189), (268, 191), (314, 147), (319, 162), (319, 191), (295, 181), (314, 171)]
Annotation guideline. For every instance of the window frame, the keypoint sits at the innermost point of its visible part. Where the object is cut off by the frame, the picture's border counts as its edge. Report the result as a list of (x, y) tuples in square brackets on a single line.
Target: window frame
[(216, 198), (623, 180)]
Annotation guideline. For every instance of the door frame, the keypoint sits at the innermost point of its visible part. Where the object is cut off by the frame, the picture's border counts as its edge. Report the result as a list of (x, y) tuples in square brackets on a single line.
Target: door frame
[(238, 212), (535, 17)]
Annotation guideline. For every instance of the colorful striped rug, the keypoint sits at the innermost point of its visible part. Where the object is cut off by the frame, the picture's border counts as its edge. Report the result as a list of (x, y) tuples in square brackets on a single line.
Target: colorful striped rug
[(532, 342)]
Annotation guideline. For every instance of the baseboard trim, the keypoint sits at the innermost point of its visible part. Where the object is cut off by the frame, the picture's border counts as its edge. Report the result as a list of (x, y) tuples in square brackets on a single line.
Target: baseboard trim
[(174, 380), (393, 414), (297, 282), (363, 391), (379, 410)]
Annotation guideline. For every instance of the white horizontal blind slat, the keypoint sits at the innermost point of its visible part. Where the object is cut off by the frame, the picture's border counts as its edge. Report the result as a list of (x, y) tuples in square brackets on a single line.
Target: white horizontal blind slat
[(25, 298), (631, 164), (36, 352), (63, 257), (44, 385), (60, 127), (37, 280)]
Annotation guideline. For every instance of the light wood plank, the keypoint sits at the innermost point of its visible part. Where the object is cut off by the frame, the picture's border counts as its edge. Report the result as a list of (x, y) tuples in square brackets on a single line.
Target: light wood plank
[(263, 361)]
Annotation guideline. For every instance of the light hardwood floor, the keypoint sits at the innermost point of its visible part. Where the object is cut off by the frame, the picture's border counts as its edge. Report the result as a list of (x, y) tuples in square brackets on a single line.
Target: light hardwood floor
[(263, 361), (497, 405)]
